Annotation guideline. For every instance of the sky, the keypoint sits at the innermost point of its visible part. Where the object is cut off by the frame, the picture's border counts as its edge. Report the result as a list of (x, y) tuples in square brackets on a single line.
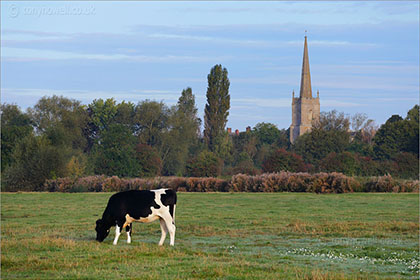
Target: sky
[(364, 56)]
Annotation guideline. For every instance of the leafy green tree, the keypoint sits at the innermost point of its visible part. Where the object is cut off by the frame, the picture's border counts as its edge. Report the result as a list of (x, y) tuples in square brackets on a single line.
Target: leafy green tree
[(115, 154), (149, 161), (266, 133), (35, 159), (345, 162), (125, 114), (263, 152), (283, 139), (101, 115), (206, 164), (151, 122), (328, 135), (217, 109), (398, 135), (412, 120), (183, 133), (244, 149), (15, 125), (63, 120)]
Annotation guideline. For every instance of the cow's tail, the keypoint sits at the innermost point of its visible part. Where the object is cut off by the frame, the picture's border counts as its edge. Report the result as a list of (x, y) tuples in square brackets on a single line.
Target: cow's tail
[(173, 214)]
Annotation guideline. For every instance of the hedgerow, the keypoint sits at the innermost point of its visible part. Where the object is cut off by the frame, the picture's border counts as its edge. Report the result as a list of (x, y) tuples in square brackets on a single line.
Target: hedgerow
[(267, 182)]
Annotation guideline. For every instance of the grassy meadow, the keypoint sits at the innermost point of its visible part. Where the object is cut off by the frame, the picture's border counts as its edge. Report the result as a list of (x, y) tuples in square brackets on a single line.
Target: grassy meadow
[(219, 236)]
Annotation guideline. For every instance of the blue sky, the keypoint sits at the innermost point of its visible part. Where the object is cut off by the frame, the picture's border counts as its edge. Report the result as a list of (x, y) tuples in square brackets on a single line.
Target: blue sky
[(364, 56)]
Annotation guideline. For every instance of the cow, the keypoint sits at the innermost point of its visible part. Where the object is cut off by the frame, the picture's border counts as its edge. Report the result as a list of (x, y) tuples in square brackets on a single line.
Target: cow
[(141, 206)]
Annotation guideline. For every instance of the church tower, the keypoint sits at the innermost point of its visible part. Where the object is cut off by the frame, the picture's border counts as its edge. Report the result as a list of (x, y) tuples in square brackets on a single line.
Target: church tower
[(305, 108)]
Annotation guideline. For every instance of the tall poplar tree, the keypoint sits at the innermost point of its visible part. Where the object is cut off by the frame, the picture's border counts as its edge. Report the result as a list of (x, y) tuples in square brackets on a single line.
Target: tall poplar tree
[(217, 108)]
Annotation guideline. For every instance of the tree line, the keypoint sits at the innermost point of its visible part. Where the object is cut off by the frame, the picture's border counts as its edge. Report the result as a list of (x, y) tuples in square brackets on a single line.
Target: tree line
[(60, 137)]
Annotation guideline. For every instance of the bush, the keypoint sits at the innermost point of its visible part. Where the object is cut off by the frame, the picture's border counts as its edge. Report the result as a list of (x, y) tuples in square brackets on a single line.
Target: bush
[(388, 184), (332, 183)]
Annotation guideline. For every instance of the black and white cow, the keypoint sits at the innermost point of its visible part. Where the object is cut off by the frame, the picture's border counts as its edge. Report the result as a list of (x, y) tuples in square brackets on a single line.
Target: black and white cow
[(142, 206)]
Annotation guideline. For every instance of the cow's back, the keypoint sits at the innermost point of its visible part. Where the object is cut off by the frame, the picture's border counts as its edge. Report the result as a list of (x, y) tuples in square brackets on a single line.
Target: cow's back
[(136, 203)]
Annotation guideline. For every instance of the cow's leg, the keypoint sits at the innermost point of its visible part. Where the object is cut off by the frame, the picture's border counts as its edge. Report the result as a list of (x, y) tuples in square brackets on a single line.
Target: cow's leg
[(164, 231), (170, 226), (129, 229), (117, 234)]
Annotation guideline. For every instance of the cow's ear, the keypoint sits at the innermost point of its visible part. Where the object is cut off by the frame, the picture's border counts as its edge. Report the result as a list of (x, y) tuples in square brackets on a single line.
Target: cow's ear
[(98, 221)]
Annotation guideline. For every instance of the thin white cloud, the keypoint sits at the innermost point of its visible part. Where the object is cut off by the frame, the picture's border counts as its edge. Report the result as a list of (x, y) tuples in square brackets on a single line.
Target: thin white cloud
[(263, 102), (336, 103), (15, 55), (211, 39)]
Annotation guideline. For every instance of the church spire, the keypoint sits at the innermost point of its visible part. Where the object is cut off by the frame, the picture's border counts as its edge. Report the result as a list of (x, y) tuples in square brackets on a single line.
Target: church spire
[(305, 82)]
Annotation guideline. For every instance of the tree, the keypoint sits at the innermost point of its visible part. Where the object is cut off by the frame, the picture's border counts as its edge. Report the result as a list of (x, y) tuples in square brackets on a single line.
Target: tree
[(406, 165), (151, 122), (328, 135), (114, 154), (244, 144), (363, 131), (317, 144), (101, 115), (345, 162), (125, 115), (34, 161), (282, 160), (412, 120), (149, 161), (183, 132), (332, 121), (217, 108), (63, 120), (398, 135), (206, 164), (15, 125), (267, 133)]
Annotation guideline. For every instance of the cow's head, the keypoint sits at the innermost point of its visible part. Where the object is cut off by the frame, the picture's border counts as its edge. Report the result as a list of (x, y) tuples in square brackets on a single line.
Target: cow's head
[(102, 230)]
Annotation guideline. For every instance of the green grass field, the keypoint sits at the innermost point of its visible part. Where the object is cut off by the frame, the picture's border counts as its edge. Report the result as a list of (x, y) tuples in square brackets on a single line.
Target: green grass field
[(219, 236)]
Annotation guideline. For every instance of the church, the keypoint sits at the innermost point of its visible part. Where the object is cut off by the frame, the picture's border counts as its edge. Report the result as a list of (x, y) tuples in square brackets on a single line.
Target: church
[(305, 108)]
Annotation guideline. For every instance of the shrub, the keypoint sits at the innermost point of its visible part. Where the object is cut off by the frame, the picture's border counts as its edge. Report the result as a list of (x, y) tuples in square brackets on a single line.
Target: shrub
[(381, 184), (388, 184)]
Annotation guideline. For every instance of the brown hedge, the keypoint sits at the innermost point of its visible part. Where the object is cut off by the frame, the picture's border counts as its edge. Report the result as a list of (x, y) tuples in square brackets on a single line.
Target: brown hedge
[(268, 182)]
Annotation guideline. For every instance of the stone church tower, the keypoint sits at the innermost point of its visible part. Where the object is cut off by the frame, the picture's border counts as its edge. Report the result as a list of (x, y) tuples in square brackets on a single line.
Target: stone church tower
[(305, 108)]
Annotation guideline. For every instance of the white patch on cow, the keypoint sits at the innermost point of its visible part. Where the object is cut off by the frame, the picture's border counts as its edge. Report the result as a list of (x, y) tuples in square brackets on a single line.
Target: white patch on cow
[(117, 234), (164, 213), (128, 237)]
